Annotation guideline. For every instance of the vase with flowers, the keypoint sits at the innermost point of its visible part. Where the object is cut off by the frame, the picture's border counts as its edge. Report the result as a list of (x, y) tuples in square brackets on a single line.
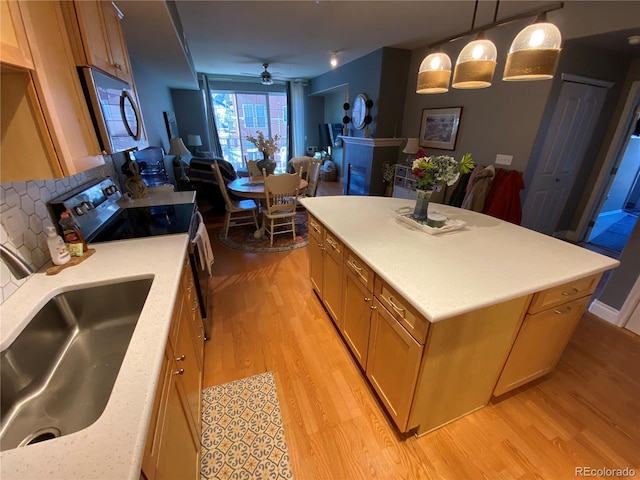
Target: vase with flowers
[(268, 146), (431, 173)]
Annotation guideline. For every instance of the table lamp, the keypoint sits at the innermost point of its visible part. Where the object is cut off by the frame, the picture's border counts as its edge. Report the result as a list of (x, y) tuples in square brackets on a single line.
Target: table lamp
[(194, 141), (411, 148), (177, 148)]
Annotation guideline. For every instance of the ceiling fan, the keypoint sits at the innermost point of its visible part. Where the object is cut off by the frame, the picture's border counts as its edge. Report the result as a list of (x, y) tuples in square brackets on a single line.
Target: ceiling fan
[(265, 77)]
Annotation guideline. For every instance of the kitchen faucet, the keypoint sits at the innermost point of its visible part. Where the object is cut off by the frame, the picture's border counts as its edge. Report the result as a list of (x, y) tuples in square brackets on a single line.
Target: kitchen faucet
[(18, 267)]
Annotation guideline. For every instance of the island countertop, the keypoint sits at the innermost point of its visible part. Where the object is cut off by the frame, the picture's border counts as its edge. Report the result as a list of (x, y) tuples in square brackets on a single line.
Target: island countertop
[(488, 261), (112, 446)]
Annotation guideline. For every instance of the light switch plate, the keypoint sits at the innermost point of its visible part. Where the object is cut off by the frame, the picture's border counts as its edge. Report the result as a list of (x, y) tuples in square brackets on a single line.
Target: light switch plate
[(504, 159), (14, 224)]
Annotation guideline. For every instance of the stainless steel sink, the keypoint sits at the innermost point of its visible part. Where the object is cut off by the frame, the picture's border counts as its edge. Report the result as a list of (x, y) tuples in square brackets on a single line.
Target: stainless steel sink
[(58, 374)]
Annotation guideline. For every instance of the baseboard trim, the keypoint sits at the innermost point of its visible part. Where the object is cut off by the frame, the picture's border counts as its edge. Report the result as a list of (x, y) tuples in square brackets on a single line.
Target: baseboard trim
[(604, 311)]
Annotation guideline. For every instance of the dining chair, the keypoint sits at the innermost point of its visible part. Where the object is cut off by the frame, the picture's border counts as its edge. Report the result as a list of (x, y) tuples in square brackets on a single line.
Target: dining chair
[(281, 193), (237, 212), (313, 176)]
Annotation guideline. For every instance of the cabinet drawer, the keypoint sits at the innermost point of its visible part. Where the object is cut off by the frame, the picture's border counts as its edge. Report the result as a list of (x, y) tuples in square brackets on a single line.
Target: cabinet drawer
[(407, 315), (539, 345), (333, 246), (564, 293), (362, 272), (315, 227)]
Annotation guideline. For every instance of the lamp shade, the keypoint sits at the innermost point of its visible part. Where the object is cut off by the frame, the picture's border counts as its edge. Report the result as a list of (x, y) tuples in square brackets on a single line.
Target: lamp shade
[(194, 140), (176, 147), (411, 147), (534, 53), (476, 64), (434, 74)]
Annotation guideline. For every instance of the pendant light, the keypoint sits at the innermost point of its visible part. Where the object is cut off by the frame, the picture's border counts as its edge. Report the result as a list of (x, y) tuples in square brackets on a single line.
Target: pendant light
[(434, 73), (477, 61), (534, 52), (476, 64)]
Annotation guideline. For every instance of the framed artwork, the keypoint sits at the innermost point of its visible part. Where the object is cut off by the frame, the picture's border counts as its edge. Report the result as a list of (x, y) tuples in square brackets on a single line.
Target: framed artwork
[(439, 127), (171, 123)]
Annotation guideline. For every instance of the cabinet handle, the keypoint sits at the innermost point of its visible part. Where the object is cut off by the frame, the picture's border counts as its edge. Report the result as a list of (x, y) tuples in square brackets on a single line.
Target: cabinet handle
[(395, 307), (180, 358), (355, 266), (571, 293), (563, 312), (194, 306), (179, 372), (333, 244), (373, 307), (367, 299)]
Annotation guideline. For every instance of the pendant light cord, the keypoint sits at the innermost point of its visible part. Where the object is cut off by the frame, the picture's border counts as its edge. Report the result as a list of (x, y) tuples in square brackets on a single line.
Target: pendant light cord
[(495, 13), (475, 10)]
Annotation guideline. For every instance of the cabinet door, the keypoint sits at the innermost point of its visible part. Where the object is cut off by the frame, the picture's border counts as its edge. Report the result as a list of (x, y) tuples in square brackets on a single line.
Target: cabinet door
[(393, 364), (179, 453), (14, 47), (356, 317), (154, 434), (332, 287), (95, 39), (315, 264), (187, 368), (539, 345), (116, 44)]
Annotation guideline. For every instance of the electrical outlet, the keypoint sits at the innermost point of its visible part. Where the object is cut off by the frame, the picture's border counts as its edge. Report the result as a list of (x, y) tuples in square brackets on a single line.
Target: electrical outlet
[(503, 159), (14, 224)]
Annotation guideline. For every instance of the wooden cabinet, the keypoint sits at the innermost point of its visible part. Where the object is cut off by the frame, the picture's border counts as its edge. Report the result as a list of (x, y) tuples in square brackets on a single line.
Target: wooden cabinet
[(47, 131), (195, 317), (393, 364), (551, 319), (97, 37), (172, 447), (356, 307), (325, 268), (14, 47)]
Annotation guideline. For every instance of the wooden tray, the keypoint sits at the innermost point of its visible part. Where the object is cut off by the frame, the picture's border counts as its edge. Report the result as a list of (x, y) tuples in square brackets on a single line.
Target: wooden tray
[(74, 261)]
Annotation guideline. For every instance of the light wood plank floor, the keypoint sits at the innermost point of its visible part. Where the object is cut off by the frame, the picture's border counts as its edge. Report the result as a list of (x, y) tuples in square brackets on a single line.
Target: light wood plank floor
[(266, 318)]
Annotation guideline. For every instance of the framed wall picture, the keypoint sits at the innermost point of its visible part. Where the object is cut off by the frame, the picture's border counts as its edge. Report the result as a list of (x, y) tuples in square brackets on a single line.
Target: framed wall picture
[(439, 127), (171, 123)]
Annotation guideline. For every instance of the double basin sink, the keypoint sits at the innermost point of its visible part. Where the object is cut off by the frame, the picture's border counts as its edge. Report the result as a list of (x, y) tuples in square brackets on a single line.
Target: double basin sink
[(57, 375)]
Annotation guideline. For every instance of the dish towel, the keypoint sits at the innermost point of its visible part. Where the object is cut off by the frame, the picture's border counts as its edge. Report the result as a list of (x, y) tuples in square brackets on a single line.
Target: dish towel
[(203, 243)]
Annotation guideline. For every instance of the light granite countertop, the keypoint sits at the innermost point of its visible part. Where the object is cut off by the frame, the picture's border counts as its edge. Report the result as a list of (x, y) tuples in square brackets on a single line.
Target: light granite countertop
[(487, 262), (112, 447)]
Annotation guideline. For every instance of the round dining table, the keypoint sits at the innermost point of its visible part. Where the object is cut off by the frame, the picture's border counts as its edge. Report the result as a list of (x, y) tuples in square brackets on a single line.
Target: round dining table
[(253, 188)]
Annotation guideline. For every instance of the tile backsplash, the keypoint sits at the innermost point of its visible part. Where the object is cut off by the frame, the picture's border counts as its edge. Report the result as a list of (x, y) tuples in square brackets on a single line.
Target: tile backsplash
[(31, 199)]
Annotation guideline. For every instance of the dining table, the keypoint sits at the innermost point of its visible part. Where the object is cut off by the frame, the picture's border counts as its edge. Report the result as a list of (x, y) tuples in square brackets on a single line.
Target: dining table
[(253, 188)]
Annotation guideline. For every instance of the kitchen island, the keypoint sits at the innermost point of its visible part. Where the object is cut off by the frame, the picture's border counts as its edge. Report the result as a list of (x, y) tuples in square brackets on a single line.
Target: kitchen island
[(112, 447), (441, 323)]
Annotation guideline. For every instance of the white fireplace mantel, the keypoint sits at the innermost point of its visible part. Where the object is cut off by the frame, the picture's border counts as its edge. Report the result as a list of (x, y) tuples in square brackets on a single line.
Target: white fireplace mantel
[(373, 142)]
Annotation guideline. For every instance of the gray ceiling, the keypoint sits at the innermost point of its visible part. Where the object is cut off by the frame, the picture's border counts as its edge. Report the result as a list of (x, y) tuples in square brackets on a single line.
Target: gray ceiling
[(296, 37)]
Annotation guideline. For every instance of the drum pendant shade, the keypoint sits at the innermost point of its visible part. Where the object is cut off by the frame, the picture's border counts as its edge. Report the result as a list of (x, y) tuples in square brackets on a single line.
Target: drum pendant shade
[(476, 64), (434, 74), (534, 53)]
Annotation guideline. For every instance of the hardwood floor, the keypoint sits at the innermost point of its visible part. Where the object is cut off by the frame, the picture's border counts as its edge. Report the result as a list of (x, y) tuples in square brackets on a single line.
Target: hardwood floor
[(266, 318)]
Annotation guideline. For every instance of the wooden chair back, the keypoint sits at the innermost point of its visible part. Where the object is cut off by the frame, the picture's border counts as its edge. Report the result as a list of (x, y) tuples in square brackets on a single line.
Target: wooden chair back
[(221, 184), (313, 176), (281, 192), (252, 168)]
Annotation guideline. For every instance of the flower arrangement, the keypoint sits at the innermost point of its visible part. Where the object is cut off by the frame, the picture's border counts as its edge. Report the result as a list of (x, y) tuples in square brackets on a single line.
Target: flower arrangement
[(267, 146), (431, 172)]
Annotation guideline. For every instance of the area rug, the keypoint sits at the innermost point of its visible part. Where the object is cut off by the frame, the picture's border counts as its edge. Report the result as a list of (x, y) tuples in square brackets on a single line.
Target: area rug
[(241, 238), (242, 431)]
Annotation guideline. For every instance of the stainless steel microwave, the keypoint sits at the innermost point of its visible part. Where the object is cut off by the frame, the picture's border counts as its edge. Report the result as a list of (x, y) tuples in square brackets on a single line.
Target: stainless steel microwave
[(115, 111)]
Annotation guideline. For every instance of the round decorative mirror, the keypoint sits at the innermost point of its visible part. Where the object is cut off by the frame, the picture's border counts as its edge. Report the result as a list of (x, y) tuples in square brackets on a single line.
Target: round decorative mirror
[(359, 111)]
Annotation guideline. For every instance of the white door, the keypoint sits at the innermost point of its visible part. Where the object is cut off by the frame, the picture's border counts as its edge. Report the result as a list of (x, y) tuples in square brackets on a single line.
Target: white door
[(568, 136)]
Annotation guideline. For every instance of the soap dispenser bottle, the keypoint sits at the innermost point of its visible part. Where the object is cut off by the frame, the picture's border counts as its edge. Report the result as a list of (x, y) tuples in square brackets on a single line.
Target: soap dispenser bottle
[(57, 248)]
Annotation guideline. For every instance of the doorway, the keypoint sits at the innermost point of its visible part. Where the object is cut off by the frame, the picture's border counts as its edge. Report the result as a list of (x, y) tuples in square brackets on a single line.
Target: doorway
[(618, 214)]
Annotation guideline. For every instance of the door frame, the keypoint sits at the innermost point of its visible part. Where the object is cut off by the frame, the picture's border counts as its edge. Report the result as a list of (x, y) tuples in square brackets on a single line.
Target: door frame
[(614, 155), (631, 303)]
